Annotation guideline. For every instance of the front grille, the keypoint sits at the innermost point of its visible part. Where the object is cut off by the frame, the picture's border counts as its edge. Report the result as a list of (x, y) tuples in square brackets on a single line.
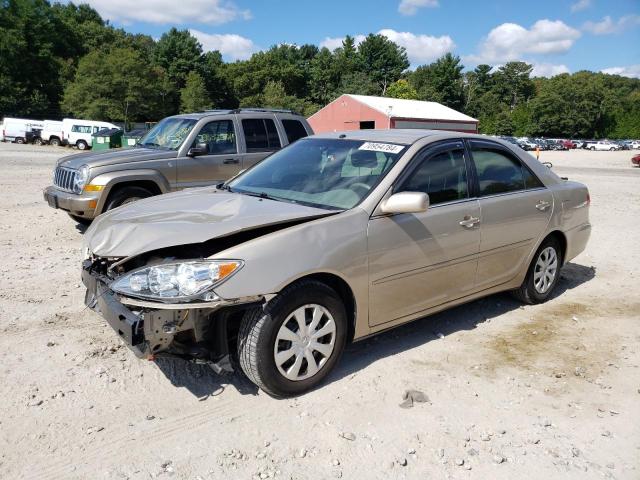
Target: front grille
[(64, 178)]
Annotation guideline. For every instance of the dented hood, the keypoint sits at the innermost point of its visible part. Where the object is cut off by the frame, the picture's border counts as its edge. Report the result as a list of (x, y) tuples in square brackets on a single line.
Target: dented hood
[(190, 216)]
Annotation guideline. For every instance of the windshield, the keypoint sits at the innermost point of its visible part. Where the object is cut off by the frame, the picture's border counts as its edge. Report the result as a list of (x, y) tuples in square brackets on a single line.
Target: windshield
[(321, 172), (168, 134)]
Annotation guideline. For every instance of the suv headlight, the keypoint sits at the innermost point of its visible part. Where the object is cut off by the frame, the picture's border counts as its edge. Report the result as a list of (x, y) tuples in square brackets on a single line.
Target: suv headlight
[(81, 179), (176, 281)]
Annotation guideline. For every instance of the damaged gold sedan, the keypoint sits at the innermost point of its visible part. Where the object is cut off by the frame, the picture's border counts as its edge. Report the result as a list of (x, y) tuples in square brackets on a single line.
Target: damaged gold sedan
[(332, 239)]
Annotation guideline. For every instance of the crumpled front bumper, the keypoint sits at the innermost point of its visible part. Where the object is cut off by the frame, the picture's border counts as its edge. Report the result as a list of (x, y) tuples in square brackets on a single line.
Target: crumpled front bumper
[(149, 328)]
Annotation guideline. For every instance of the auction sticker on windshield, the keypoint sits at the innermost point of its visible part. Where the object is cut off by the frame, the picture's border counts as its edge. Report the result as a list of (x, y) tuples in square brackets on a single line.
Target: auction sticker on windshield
[(381, 147)]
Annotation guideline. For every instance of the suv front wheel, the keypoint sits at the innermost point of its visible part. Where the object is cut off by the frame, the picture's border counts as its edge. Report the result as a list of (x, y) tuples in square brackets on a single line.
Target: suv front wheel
[(126, 195), (290, 345)]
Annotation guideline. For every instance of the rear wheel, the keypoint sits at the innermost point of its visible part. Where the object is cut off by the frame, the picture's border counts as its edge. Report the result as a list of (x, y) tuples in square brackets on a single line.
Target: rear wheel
[(592, 148), (82, 145), (126, 195), (37, 141), (55, 142), (289, 346), (543, 274), (20, 140)]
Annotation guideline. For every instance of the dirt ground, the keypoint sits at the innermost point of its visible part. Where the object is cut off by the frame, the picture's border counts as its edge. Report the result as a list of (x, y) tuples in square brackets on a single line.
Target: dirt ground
[(548, 391)]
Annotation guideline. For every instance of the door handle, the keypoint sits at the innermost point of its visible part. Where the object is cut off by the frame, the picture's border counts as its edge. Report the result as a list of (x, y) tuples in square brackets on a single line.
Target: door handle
[(231, 161), (469, 221), (542, 205)]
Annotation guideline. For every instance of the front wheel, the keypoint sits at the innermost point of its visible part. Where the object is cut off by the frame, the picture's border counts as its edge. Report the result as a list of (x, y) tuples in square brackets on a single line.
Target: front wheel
[(290, 345), (20, 140), (54, 142), (543, 274), (592, 149), (126, 195)]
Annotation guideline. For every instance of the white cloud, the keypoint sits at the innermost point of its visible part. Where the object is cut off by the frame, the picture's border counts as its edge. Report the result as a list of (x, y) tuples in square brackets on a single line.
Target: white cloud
[(607, 25), (580, 5), (632, 71), (548, 70), (420, 48), (336, 42), (510, 41), (210, 12), (231, 46), (410, 7)]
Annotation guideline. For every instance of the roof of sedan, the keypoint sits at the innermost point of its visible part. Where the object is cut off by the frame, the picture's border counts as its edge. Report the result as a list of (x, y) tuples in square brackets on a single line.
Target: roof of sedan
[(405, 136)]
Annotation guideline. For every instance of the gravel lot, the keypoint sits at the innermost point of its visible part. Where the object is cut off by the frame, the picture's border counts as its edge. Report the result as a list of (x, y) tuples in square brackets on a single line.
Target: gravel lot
[(550, 391)]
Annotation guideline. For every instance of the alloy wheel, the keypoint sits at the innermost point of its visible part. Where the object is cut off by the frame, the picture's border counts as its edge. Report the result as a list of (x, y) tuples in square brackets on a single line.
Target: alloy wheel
[(545, 270), (305, 342)]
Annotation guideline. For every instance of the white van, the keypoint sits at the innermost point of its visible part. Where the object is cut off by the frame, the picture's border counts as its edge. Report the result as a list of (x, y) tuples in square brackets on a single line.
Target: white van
[(52, 132), (78, 132), (15, 129)]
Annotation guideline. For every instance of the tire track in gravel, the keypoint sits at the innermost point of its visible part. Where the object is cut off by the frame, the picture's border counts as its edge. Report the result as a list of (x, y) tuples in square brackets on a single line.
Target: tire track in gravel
[(76, 464)]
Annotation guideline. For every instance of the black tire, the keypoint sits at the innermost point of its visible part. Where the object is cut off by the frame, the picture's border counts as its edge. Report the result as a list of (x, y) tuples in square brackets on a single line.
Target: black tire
[(54, 141), (20, 140), (37, 141), (593, 149), (259, 329), (82, 145), (82, 221), (126, 195), (527, 292)]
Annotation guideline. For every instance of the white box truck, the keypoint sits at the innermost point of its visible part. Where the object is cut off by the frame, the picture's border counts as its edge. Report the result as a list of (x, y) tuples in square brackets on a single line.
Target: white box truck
[(78, 132), (15, 129)]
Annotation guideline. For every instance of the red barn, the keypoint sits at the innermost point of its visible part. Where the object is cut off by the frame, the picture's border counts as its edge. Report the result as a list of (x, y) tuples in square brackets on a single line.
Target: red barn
[(359, 112)]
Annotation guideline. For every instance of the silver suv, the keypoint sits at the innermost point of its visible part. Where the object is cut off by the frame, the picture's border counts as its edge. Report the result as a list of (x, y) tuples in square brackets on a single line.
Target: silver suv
[(182, 151)]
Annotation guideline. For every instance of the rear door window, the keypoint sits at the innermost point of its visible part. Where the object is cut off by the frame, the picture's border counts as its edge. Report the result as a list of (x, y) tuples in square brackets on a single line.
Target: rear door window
[(294, 130), (497, 171), (260, 135)]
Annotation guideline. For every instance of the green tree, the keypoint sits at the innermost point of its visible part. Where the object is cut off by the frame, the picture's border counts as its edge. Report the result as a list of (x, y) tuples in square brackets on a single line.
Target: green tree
[(402, 89), (114, 85), (194, 96), (513, 83), (178, 53), (441, 81), (382, 60)]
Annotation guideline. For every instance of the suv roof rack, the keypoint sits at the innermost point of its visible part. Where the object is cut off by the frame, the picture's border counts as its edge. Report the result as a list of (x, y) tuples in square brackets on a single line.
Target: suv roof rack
[(250, 110), (270, 110)]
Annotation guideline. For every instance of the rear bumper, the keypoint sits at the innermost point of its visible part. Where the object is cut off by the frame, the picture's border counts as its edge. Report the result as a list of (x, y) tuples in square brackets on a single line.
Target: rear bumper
[(79, 205), (577, 239)]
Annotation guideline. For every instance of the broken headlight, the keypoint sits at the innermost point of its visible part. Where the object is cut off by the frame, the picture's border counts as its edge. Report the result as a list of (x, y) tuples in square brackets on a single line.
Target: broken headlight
[(180, 280)]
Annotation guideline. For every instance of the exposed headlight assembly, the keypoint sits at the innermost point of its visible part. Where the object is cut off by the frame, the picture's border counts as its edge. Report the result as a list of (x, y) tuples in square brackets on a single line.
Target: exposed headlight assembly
[(181, 281), (80, 180)]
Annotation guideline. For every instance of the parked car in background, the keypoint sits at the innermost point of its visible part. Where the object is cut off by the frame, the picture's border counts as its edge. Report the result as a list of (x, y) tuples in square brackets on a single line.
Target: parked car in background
[(635, 160), (527, 144), (190, 150), (336, 237), (569, 144), (623, 145), (635, 144), (52, 133), (603, 145), (78, 132), (16, 129)]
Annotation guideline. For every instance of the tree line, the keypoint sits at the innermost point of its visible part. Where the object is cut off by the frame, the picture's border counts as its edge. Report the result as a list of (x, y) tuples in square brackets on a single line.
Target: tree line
[(64, 60)]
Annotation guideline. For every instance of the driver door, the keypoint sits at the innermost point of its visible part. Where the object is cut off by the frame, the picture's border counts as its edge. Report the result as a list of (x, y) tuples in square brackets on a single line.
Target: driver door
[(221, 160), (421, 260)]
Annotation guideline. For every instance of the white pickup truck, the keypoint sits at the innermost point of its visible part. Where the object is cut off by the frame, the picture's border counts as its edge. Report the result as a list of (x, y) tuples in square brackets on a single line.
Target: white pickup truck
[(604, 145)]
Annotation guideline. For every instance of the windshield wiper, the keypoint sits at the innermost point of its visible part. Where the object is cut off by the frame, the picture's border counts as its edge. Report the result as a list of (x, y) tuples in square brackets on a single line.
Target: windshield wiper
[(266, 196)]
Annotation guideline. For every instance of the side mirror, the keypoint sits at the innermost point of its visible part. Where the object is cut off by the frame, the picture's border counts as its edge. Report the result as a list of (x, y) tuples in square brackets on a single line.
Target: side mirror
[(199, 149), (406, 202)]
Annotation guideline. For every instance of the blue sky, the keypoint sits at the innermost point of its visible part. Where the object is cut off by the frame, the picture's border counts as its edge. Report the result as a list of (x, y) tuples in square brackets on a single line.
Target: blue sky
[(555, 36)]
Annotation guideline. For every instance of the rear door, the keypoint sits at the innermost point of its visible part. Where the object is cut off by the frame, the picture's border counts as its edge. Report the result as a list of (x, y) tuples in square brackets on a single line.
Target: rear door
[(418, 261), (515, 210), (222, 160), (260, 136)]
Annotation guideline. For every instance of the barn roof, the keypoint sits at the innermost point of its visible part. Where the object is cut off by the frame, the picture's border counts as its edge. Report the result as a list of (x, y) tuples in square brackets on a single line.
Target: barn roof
[(400, 108)]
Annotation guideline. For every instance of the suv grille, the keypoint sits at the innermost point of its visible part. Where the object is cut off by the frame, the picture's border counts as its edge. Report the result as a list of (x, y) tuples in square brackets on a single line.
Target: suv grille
[(64, 178)]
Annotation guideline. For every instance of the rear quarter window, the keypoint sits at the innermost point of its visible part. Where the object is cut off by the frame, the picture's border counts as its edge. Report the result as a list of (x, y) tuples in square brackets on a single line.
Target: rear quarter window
[(294, 130)]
